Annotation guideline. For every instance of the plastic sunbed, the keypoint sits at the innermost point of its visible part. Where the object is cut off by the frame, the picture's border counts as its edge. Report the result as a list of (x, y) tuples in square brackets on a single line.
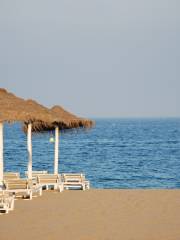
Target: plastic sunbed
[(50, 180), (22, 187), (75, 181)]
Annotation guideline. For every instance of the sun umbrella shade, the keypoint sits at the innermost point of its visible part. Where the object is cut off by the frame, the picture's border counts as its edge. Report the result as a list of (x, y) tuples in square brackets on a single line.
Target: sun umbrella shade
[(64, 120), (13, 109)]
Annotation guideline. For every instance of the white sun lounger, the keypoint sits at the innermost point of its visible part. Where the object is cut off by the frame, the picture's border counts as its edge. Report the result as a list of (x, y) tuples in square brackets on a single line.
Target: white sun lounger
[(22, 187), (50, 180), (6, 202), (74, 181)]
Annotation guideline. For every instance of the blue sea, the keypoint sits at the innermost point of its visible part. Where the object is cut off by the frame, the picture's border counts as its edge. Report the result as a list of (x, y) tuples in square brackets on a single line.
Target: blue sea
[(116, 153)]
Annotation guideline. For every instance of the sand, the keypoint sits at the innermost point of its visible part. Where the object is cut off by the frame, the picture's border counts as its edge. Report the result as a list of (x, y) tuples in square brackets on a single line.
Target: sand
[(95, 215)]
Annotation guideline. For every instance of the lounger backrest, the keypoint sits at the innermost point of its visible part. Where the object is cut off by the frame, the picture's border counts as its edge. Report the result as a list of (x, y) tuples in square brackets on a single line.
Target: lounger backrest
[(73, 177), (36, 173), (47, 178), (11, 175), (16, 184)]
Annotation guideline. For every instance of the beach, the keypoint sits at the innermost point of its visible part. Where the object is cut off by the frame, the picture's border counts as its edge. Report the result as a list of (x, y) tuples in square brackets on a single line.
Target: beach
[(95, 215), (89, 120)]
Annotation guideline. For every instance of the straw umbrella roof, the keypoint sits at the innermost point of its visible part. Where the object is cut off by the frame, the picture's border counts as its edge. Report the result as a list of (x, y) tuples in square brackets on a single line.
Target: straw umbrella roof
[(13, 108), (64, 120)]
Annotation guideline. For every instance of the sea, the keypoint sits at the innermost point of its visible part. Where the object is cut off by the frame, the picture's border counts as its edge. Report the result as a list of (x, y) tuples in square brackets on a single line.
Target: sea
[(115, 154)]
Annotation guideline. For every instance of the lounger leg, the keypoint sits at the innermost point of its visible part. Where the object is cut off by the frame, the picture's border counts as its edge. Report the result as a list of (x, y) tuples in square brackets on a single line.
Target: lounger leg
[(61, 188), (12, 204), (30, 195), (40, 192), (84, 187)]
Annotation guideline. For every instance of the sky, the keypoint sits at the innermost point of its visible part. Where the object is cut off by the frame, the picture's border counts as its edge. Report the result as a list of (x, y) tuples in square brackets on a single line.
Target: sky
[(97, 58)]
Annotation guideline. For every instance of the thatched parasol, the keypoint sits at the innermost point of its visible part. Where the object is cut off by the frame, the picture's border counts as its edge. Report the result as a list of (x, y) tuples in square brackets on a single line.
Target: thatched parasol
[(64, 120), (13, 109)]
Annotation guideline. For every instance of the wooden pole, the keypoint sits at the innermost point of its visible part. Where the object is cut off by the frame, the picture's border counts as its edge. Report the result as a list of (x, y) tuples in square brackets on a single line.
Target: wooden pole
[(56, 150), (29, 146), (1, 153)]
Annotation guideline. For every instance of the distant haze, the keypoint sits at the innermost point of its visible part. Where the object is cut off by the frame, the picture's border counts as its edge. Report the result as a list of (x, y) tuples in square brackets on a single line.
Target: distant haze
[(97, 58)]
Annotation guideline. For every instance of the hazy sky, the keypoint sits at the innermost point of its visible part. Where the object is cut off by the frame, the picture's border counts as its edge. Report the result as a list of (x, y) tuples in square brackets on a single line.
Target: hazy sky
[(97, 58)]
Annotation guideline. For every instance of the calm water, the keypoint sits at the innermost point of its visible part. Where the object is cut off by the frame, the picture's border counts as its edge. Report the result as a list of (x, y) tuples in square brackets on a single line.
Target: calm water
[(128, 153)]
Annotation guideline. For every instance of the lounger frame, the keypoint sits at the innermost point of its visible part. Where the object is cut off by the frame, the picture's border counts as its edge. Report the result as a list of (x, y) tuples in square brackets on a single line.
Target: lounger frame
[(50, 180), (22, 187), (74, 181)]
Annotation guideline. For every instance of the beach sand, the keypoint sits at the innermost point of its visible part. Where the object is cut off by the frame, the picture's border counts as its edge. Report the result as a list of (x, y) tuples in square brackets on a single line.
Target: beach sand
[(95, 215)]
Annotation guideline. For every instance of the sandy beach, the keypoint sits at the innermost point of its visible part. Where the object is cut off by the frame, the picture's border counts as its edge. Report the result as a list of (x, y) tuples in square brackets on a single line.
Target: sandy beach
[(95, 215)]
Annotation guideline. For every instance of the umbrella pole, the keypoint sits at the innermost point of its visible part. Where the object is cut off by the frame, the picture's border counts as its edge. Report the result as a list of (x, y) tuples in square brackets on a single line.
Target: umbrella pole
[(29, 146), (56, 150), (1, 153)]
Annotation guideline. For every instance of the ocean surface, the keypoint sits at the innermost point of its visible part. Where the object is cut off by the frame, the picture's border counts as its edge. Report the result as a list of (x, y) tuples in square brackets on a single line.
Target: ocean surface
[(116, 153)]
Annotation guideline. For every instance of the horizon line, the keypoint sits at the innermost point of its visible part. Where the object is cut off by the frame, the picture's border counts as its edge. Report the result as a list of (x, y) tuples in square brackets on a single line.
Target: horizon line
[(134, 117)]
